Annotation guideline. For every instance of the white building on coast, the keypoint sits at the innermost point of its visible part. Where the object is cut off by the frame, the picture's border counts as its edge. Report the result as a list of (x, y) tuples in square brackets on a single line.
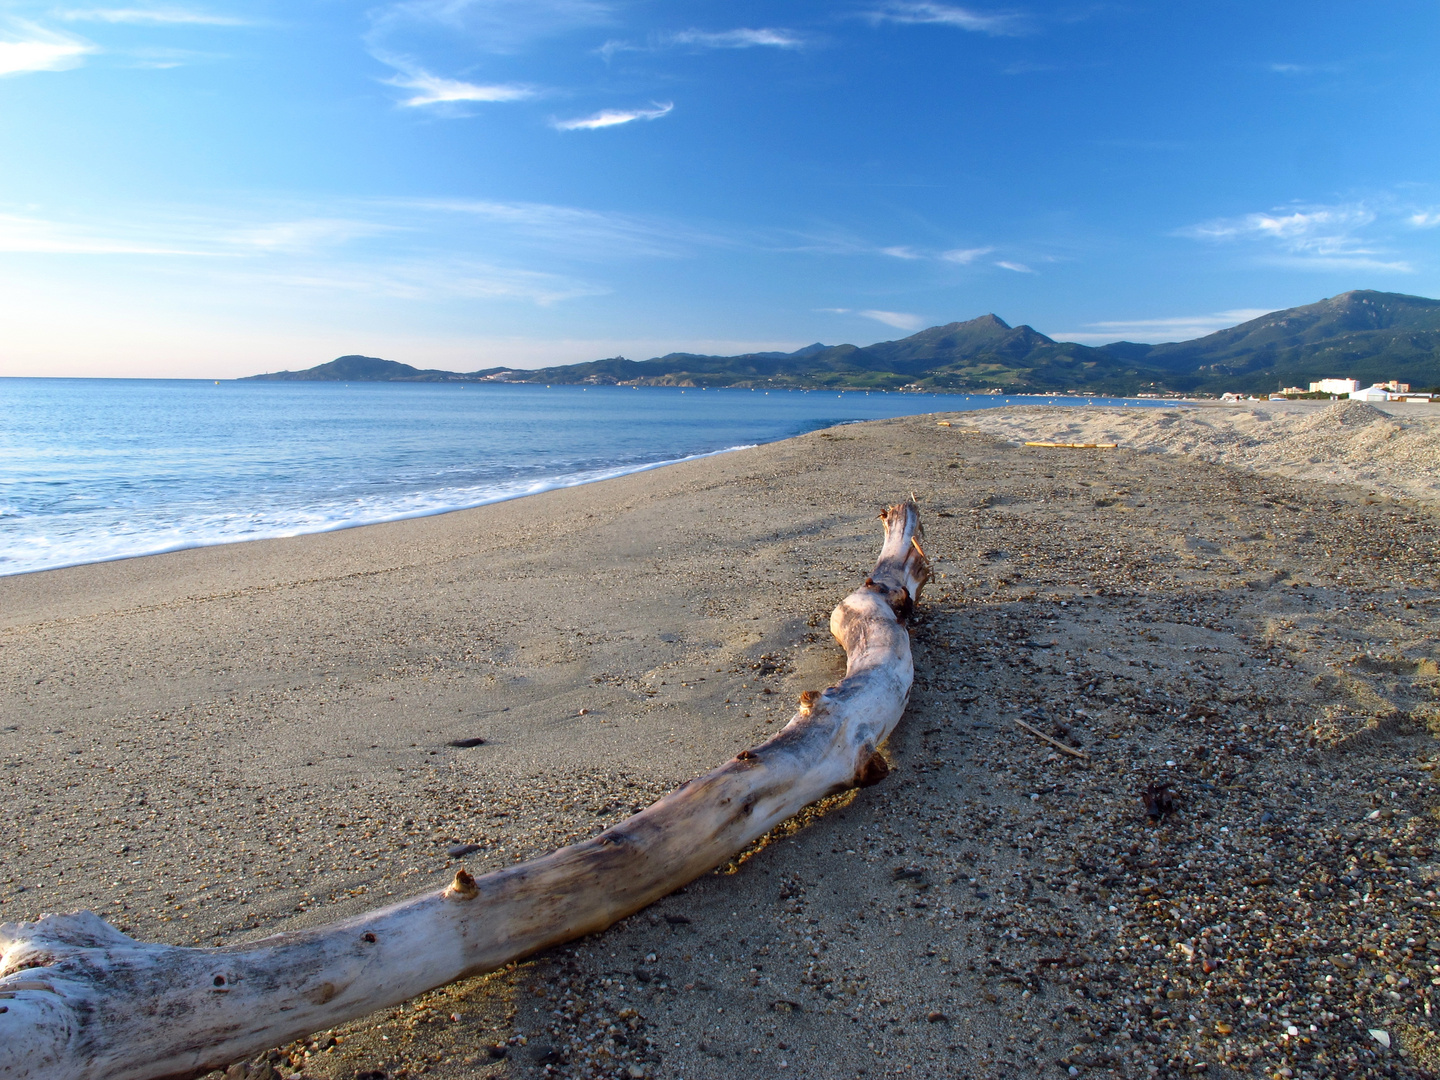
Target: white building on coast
[(1371, 393), (1384, 391)]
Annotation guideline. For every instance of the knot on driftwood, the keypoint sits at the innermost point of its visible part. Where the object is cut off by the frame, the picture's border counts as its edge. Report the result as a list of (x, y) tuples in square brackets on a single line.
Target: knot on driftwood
[(875, 769), (897, 596), (808, 700), (903, 561), (462, 888)]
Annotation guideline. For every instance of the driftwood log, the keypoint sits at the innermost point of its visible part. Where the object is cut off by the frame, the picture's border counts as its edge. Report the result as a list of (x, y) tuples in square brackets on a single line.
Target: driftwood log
[(79, 1000)]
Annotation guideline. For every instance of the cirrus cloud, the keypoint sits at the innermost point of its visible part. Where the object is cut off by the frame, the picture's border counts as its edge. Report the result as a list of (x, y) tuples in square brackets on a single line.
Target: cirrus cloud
[(613, 117), (736, 39), (152, 17), (1340, 236), (398, 258), (1174, 328), (22, 234), (743, 38), (965, 256), (577, 232), (502, 27), (925, 12), (435, 90), (900, 320), (25, 47)]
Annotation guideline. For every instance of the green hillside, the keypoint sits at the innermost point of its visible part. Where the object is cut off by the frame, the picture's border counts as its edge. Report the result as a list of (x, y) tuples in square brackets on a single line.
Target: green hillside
[(1369, 336), (1364, 335), (980, 354), (356, 368)]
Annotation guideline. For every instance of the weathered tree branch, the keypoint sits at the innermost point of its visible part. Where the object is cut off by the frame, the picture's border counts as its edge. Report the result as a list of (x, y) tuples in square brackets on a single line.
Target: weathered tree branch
[(81, 1001)]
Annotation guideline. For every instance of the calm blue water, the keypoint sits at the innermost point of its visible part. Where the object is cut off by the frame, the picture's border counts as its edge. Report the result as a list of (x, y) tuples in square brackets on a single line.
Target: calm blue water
[(94, 469)]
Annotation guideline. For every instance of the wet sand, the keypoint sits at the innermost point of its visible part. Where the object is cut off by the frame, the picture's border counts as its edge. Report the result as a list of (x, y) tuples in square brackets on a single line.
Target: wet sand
[(213, 745)]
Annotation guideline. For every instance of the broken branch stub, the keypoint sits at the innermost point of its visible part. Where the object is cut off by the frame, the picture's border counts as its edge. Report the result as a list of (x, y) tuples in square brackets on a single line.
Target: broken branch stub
[(79, 1000)]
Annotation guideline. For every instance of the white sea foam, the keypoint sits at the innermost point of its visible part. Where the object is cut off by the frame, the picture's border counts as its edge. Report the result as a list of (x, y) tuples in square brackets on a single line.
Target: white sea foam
[(25, 554)]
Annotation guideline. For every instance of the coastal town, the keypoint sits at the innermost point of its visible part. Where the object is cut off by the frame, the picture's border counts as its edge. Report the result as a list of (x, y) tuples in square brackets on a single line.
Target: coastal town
[(1342, 389)]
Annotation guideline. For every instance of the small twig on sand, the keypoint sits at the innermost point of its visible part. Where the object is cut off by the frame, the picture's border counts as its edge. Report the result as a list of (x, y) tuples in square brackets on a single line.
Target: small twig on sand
[(1053, 742)]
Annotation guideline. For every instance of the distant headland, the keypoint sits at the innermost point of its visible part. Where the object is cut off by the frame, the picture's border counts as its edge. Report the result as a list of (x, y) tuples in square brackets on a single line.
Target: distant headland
[(1365, 335)]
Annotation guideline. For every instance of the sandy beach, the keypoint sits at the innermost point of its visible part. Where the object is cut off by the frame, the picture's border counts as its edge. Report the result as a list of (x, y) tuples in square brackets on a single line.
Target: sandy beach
[(1392, 449), (214, 745)]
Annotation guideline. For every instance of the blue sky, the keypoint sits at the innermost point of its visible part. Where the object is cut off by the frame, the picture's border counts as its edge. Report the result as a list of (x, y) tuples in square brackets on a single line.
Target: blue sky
[(219, 188)]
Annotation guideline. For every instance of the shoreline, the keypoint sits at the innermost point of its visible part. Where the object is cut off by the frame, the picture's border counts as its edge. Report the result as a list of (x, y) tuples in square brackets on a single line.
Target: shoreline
[(222, 743), (113, 508), (1015, 421), (552, 484)]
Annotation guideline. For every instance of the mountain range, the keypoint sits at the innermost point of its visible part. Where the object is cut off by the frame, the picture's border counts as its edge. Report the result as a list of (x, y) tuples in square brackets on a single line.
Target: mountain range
[(1365, 335)]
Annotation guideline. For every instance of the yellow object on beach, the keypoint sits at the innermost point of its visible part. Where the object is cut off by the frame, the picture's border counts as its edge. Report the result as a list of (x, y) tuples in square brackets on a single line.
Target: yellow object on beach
[(1078, 445)]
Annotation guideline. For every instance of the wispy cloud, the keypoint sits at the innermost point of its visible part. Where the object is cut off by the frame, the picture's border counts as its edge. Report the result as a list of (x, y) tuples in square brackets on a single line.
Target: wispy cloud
[(207, 235), (965, 256), (165, 59), (435, 90), (25, 47), (494, 26), (314, 252), (20, 234), (305, 234), (708, 39), (1334, 237), (153, 17), (1176, 328), (900, 320), (997, 24), (431, 279), (529, 234), (1425, 219), (578, 232), (1323, 228), (613, 117), (736, 39), (610, 48), (1304, 69), (843, 243)]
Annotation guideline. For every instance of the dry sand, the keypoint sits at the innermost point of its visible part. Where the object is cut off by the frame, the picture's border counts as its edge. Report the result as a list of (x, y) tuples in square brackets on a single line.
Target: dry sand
[(1393, 449), (214, 745)]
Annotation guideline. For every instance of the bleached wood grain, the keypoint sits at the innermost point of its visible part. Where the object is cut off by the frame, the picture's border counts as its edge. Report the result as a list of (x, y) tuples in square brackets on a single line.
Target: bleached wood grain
[(79, 1000)]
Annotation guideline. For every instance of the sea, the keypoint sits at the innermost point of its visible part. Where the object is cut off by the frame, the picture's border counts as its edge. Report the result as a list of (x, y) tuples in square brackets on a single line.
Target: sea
[(98, 469)]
